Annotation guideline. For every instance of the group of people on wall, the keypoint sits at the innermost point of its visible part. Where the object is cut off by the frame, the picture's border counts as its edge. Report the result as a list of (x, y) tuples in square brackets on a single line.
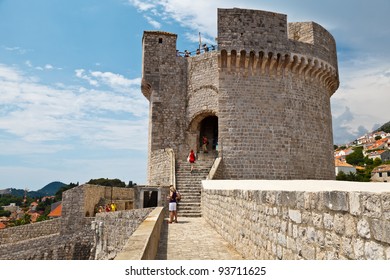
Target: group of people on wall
[(198, 51)]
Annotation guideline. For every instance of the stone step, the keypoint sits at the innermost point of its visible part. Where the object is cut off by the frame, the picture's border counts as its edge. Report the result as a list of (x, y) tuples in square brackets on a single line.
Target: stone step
[(190, 185)]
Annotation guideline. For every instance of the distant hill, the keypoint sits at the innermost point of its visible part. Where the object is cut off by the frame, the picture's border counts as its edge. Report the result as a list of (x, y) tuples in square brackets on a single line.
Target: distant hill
[(52, 188), (385, 128), (48, 190)]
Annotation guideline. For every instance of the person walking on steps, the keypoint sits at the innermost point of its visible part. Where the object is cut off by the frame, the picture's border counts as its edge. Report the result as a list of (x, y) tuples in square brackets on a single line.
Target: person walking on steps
[(191, 159), (205, 142)]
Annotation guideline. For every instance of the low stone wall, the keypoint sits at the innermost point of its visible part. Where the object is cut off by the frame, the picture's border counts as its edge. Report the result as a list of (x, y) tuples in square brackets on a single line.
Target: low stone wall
[(292, 220), (19, 233), (76, 246), (113, 229), (143, 243)]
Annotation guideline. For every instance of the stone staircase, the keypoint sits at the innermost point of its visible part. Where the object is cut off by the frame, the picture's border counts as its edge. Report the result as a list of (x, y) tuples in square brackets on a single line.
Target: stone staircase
[(190, 186)]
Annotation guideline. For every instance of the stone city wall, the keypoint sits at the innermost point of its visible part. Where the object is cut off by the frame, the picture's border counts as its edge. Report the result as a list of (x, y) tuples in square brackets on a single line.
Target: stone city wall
[(19, 233), (76, 246), (113, 229), (292, 220), (122, 197)]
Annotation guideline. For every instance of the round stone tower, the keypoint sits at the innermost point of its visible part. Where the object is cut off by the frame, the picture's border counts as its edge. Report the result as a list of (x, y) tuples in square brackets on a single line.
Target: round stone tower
[(263, 97)]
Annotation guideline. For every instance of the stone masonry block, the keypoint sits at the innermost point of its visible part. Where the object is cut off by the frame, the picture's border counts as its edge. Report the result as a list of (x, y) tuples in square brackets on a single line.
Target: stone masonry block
[(371, 205), (358, 248), (288, 199), (336, 201), (328, 221), (295, 216), (363, 228), (355, 207), (386, 205), (350, 226), (317, 220), (374, 251), (381, 230), (308, 251), (339, 225)]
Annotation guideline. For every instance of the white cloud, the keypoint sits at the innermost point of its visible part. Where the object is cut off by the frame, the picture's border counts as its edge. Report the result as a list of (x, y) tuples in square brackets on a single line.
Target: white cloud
[(361, 103), (39, 115), (19, 50), (143, 5), (153, 22)]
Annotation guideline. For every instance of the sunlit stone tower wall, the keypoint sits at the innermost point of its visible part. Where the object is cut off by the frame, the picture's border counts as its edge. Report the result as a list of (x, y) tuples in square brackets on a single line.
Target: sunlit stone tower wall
[(275, 83)]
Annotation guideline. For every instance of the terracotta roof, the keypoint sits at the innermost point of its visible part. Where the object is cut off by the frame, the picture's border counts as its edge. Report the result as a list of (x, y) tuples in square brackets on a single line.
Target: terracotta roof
[(381, 168), (338, 162), (56, 212), (2, 225)]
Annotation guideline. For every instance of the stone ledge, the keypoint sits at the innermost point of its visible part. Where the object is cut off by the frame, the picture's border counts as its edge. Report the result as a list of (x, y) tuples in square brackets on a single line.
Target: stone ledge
[(143, 243), (296, 185)]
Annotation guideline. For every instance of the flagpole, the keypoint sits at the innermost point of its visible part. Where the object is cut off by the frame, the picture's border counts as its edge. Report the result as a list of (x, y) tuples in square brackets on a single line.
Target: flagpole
[(200, 41)]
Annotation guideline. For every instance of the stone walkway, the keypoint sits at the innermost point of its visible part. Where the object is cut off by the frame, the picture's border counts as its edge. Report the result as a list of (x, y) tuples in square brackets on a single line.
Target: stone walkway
[(193, 239)]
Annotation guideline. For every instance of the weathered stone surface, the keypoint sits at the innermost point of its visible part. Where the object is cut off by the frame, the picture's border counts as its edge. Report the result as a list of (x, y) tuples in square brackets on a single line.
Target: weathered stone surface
[(358, 248), (347, 248), (381, 230), (336, 200), (354, 203), (350, 226), (363, 228), (328, 221), (317, 219), (296, 232), (374, 251), (386, 206), (295, 216), (339, 225), (371, 204)]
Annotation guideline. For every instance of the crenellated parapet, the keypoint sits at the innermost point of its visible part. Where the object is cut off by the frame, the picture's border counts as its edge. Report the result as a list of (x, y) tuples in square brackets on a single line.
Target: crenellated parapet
[(279, 65)]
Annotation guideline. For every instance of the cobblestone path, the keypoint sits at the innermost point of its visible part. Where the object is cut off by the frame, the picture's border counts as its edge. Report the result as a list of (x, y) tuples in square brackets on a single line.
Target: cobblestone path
[(193, 239)]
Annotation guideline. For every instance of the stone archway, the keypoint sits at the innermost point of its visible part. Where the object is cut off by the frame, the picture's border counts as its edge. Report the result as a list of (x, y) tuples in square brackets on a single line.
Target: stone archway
[(204, 124), (209, 128)]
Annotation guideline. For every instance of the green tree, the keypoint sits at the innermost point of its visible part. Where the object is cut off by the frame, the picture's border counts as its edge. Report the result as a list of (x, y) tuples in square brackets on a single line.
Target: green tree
[(107, 182), (4, 213), (356, 158), (377, 162)]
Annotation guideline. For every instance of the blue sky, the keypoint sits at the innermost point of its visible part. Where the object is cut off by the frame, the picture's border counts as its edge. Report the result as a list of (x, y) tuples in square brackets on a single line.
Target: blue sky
[(71, 108)]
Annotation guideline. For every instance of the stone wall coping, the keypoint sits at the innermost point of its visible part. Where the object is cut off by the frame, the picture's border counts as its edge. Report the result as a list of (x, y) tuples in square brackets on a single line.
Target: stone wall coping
[(296, 185), (143, 243)]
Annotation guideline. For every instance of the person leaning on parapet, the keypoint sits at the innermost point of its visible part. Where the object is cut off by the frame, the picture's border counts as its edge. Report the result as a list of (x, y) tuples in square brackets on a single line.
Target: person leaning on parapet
[(191, 159), (172, 205), (186, 53), (205, 48), (197, 51)]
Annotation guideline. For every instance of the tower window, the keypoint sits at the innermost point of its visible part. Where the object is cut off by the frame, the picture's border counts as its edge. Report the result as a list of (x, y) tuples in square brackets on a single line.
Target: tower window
[(160, 40)]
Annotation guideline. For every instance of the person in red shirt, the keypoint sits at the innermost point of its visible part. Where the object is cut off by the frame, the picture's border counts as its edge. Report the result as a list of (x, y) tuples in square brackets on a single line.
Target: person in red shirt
[(191, 159)]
